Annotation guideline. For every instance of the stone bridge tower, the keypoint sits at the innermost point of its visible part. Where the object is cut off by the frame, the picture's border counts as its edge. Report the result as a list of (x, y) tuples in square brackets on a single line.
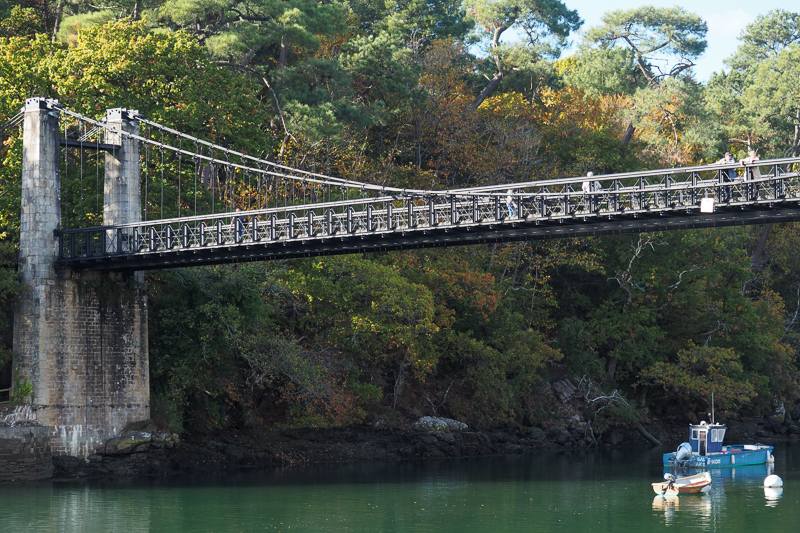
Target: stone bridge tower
[(80, 338)]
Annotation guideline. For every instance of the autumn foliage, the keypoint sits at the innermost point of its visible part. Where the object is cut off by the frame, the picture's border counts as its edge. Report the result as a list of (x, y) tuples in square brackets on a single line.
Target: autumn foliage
[(395, 95)]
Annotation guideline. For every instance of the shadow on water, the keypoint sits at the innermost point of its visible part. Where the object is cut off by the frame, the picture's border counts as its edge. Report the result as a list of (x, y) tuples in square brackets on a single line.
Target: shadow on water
[(575, 465)]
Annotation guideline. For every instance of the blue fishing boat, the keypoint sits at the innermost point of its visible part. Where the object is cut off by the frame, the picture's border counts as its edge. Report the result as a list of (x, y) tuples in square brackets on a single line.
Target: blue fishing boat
[(706, 450)]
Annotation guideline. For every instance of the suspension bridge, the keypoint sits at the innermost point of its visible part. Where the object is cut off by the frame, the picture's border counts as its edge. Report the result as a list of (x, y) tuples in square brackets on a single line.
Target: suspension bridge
[(232, 207), (104, 200)]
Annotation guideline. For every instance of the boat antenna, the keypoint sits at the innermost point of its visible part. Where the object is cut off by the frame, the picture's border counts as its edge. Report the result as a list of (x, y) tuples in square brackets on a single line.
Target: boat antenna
[(712, 408)]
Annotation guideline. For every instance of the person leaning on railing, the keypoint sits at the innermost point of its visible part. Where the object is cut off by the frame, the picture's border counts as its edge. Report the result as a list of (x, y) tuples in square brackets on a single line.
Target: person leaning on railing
[(727, 175), (752, 173)]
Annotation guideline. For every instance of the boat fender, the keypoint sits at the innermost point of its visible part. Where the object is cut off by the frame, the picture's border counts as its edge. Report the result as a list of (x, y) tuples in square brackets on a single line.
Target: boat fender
[(773, 482), (770, 458), (684, 452)]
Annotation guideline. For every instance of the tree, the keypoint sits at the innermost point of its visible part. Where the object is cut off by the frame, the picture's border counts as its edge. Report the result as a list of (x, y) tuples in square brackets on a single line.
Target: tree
[(734, 96), (378, 319), (491, 342), (662, 43), (261, 39), (21, 22), (418, 20), (270, 33), (674, 124), (601, 71), (750, 115), (544, 24), (580, 132), (221, 346), (654, 35), (765, 38), (776, 99), (665, 289), (701, 371), (383, 72)]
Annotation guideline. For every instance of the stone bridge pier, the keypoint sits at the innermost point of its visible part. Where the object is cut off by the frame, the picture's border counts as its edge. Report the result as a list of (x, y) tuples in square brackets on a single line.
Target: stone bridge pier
[(80, 338)]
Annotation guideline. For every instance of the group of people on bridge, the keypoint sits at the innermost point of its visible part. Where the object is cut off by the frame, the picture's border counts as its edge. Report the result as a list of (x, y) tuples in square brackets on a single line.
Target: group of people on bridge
[(590, 186), (729, 175)]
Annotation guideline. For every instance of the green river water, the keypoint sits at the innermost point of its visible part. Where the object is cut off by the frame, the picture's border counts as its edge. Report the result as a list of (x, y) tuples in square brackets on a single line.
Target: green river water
[(570, 492)]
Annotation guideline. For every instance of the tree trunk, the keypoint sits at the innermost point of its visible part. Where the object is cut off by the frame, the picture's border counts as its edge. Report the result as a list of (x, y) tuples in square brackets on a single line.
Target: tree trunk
[(57, 21), (137, 6), (494, 83), (247, 57), (487, 91), (417, 144), (758, 254), (398, 383), (642, 398), (626, 137), (644, 433), (283, 56), (612, 368)]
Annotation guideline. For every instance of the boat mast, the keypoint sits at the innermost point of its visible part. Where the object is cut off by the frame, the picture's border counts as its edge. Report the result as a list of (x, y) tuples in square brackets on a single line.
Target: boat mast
[(712, 408)]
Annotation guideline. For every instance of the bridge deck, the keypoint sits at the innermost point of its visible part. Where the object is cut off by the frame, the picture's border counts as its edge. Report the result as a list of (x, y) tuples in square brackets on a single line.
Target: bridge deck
[(669, 199)]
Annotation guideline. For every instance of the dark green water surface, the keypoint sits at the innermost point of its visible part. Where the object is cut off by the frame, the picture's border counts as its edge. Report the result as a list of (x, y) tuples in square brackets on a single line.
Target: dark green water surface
[(571, 492)]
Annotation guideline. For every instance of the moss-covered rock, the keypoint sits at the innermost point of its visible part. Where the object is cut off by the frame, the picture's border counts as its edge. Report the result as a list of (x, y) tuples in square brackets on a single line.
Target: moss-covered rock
[(433, 424)]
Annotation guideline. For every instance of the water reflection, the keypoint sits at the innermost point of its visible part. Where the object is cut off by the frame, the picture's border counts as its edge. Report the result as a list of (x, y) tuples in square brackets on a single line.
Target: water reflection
[(772, 495), (53, 508), (568, 493), (734, 491), (698, 506), (744, 474), (748, 474)]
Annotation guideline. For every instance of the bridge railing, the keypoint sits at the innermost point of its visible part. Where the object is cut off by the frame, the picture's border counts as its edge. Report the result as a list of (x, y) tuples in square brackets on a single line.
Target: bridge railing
[(630, 194)]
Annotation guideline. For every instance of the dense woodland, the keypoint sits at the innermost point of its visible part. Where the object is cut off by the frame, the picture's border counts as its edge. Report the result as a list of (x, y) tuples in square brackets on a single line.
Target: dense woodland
[(434, 95)]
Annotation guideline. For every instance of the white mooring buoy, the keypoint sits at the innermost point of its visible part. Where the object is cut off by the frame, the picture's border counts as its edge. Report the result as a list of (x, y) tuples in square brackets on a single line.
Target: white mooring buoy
[(773, 482)]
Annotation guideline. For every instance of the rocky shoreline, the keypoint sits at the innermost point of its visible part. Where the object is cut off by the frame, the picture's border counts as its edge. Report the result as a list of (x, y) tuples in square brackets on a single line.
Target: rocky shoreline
[(145, 451), (260, 449), (166, 455)]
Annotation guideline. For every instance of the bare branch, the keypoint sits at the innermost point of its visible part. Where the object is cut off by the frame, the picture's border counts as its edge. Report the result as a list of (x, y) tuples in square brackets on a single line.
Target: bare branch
[(680, 277), (721, 326)]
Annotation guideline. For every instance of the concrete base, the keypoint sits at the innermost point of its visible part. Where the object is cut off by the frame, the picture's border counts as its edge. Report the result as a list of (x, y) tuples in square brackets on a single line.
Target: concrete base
[(25, 454), (85, 341)]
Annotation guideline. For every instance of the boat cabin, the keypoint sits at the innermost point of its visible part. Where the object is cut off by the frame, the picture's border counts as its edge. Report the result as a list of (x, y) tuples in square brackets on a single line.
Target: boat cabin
[(705, 438), (705, 450)]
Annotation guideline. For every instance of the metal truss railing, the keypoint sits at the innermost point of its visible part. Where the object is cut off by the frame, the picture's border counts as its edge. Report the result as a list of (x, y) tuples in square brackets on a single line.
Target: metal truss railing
[(206, 239)]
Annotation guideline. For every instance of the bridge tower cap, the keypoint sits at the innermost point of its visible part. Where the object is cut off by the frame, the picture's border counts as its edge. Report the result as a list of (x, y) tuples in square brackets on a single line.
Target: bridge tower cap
[(39, 102), (119, 113)]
